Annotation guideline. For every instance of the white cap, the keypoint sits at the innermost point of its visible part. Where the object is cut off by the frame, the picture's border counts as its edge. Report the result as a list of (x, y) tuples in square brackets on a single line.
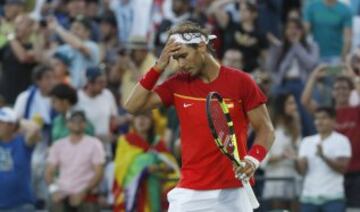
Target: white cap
[(8, 115), (191, 38)]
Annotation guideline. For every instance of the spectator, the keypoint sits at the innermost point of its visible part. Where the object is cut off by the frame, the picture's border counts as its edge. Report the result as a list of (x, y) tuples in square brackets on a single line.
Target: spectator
[(322, 161), (109, 43), (83, 52), (34, 104), (290, 64), (329, 21), (233, 58), (16, 147), (12, 9), (281, 157), (63, 99), (93, 97), (17, 59), (181, 11), (79, 160), (61, 63), (347, 119), (245, 36), (139, 60), (141, 154), (353, 69)]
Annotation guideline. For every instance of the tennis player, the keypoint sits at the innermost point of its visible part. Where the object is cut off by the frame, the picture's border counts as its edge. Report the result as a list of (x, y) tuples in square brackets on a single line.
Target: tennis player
[(207, 181)]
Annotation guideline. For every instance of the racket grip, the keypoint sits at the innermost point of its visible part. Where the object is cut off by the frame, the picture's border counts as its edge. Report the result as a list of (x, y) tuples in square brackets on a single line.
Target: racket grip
[(250, 193)]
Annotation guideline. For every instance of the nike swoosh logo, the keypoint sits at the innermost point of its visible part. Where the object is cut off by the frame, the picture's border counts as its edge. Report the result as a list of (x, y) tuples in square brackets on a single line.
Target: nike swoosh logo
[(187, 105)]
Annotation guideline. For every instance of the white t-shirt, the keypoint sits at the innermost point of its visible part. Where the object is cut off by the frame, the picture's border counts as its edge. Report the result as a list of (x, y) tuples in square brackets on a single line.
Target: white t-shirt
[(98, 110), (40, 106), (320, 180)]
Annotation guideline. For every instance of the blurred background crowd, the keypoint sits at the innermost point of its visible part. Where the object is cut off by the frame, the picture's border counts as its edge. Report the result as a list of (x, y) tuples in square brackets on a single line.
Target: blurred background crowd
[(69, 65)]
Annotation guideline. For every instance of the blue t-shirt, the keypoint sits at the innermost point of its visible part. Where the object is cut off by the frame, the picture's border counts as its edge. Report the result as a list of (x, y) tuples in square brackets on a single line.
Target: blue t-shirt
[(15, 173), (327, 26)]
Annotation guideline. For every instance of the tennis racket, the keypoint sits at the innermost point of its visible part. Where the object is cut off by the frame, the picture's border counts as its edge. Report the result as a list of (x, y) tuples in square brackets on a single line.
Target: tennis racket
[(222, 129)]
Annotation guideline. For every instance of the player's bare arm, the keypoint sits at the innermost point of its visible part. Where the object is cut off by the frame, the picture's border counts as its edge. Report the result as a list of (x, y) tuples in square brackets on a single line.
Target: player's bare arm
[(142, 99), (264, 131)]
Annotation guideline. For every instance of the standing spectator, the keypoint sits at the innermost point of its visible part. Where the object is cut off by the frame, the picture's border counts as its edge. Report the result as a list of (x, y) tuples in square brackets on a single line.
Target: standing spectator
[(61, 63), (322, 161), (83, 52), (281, 157), (12, 9), (79, 160), (16, 147), (63, 99), (245, 36), (139, 60), (109, 43), (17, 59), (142, 153), (93, 97), (290, 64), (347, 119), (330, 22), (34, 104)]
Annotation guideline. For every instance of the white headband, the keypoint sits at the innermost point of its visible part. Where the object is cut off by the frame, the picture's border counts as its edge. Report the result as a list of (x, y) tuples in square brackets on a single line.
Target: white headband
[(191, 38)]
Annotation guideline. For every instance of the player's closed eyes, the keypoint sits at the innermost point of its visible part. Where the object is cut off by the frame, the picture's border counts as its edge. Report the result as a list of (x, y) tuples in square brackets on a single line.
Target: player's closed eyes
[(180, 56)]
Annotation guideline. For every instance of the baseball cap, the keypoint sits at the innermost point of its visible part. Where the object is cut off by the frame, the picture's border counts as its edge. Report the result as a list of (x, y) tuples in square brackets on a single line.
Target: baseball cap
[(8, 115)]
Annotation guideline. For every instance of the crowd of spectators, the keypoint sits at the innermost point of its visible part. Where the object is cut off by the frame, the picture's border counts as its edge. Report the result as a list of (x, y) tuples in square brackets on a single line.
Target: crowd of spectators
[(67, 67)]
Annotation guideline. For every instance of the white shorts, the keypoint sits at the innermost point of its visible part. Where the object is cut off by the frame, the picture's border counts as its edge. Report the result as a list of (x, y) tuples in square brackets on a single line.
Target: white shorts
[(222, 200)]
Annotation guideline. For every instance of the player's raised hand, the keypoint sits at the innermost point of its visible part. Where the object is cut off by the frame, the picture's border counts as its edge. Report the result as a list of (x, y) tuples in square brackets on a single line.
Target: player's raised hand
[(169, 50)]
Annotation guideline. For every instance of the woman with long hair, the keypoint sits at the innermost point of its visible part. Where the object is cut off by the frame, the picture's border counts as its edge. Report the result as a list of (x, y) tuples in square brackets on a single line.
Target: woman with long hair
[(280, 162), (290, 62)]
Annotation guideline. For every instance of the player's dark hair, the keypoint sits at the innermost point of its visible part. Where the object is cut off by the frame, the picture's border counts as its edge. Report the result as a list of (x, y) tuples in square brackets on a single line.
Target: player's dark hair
[(65, 92), (39, 71), (191, 27), (345, 79), (330, 111)]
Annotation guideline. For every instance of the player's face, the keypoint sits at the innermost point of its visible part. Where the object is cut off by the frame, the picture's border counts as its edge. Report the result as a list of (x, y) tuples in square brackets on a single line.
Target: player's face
[(323, 122), (190, 60)]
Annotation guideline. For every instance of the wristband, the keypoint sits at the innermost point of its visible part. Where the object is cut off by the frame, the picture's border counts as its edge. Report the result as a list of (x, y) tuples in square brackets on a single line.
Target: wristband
[(257, 152), (253, 160), (149, 80)]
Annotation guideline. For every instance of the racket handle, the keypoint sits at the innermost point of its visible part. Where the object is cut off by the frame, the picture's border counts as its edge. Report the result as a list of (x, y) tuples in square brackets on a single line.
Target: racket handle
[(250, 193)]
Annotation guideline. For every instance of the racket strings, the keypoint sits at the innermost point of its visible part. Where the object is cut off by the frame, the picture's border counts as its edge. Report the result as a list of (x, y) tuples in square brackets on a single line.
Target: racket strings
[(221, 127)]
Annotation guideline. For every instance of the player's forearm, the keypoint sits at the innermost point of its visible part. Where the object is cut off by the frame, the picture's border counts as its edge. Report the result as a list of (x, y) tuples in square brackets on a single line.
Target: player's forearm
[(265, 135), (137, 99)]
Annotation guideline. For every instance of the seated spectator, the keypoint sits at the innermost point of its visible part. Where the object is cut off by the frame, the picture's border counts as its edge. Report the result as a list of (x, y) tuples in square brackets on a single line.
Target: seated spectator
[(323, 159), (63, 99), (16, 147), (141, 161), (347, 119), (233, 58), (79, 160), (281, 157), (83, 52)]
